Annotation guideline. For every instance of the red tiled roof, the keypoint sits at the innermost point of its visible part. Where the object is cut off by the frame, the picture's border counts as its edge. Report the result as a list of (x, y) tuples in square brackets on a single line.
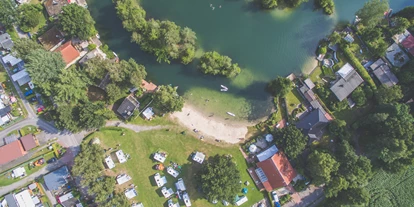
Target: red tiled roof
[(408, 44), (28, 142), (149, 87), (69, 53), (278, 171), (11, 152)]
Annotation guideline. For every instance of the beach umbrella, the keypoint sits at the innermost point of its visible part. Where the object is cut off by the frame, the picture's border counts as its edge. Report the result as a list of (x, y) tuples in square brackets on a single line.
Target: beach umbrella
[(244, 190), (269, 137), (252, 148)]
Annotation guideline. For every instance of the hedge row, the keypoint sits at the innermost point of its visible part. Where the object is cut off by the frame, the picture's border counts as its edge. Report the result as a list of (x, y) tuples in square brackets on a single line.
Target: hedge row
[(359, 67)]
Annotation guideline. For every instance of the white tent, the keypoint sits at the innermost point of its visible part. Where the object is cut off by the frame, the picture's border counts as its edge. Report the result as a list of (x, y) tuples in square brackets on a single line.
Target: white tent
[(242, 200), (252, 148), (160, 157), (269, 137), (172, 172)]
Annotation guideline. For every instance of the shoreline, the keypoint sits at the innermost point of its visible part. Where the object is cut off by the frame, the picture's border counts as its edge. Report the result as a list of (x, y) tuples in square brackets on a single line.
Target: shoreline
[(229, 131)]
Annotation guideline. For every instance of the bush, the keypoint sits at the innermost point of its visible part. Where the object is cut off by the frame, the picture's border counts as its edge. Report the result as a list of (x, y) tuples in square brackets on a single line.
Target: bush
[(109, 54), (359, 97), (91, 47), (284, 199), (15, 112), (300, 185), (358, 66)]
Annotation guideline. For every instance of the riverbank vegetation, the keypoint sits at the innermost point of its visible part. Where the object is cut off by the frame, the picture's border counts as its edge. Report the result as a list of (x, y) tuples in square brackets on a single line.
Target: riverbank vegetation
[(166, 40), (76, 21), (327, 6), (215, 64)]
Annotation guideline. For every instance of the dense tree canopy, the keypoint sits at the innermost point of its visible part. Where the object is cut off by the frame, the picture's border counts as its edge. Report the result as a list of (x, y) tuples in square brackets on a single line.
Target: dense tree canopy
[(167, 99), (321, 166), (291, 140), (24, 46), (337, 129), (93, 115), (70, 87), (359, 97), (166, 40), (268, 4), (89, 163), (401, 24), (386, 95), (372, 12), (375, 40), (280, 87), (390, 131), (215, 64), (76, 21), (44, 68), (8, 13), (219, 178), (30, 16), (327, 6), (119, 200)]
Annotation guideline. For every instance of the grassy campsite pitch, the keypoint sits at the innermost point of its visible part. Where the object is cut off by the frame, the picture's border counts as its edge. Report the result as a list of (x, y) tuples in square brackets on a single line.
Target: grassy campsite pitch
[(179, 146)]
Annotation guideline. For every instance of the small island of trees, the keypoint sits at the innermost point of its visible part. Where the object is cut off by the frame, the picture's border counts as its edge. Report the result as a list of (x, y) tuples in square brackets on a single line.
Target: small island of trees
[(216, 64)]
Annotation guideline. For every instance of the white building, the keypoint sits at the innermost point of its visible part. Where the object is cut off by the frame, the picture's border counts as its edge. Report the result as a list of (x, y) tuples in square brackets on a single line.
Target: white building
[(172, 204), (24, 199), (65, 197), (242, 200)]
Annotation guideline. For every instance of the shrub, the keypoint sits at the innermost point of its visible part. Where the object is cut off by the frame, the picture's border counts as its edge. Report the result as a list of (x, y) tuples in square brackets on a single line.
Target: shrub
[(91, 47), (284, 199), (358, 66)]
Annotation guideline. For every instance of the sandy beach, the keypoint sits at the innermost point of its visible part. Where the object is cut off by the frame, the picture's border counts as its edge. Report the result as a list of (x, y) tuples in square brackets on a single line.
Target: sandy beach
[(210, 127)]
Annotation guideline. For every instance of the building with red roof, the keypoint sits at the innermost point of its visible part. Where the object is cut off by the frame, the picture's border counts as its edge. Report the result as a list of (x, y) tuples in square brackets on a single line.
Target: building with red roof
[(275, 172), (408, 44), (69, 53), (11, 151), (148, 87), (29, 142)]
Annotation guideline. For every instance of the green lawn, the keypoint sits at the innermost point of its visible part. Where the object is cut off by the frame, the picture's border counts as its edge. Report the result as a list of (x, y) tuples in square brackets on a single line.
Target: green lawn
[(6, 178), (13, 33), (293, 99), (179, 147), (29, 129), (154, 122), (315, 76), (392, 189)]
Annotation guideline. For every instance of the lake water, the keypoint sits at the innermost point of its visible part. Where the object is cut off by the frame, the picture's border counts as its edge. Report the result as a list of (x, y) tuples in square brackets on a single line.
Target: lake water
[(264, 43)]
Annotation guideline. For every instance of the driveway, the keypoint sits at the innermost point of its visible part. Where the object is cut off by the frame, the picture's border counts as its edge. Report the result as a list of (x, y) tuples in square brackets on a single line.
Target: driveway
[(312, 196)]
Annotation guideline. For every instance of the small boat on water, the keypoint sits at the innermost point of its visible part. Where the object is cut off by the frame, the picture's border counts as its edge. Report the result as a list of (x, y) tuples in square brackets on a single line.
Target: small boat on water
[(231, 114)]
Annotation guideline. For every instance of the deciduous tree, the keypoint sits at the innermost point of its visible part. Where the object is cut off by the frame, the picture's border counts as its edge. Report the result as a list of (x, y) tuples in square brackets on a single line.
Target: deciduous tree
[(280, 87), (219, 178), (24, 47), (76, 21), (291, 140), (321, 166), (44, 68), (8, 13), (30, 16), (215, 64), (70, 87), (168, 100), (372, 12), (386, 95)]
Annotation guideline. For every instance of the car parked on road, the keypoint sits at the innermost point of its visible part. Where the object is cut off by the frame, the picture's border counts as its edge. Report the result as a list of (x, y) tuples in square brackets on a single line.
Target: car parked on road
[(28, 93), (52, 160), (274, 196), (33, 99)]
